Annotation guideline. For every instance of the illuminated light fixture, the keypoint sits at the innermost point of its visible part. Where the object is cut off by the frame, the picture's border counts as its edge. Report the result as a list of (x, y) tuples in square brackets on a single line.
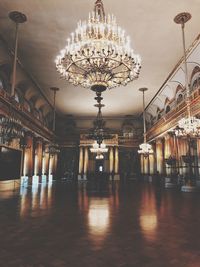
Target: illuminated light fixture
[(98, 54), (10, 126), (99, 156), (53, 148), (98, 148), (145, 148), (189, 125)]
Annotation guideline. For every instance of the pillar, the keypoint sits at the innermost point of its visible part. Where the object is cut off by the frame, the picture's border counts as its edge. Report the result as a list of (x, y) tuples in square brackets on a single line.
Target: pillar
[(116, 166), (85, 165), (142, 163), (38, 157), (159, 156), (28, 155), (182, 149), (45, 161), (80, 169)]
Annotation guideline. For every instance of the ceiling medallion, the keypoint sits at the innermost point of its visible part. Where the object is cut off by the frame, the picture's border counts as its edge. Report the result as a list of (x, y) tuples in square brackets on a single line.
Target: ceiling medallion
[(145, 148), (98, 54)]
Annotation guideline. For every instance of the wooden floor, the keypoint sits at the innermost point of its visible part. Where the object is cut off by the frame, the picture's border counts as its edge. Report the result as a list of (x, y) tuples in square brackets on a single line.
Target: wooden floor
[(99, 225)]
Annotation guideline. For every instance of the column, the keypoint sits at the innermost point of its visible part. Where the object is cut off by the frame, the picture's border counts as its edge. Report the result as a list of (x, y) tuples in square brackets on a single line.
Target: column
[(182, 149), (116, 166), (80, 169), (167, 154), (38, 157), (146, 165), (142, 164), (45, 162), (151, 164), (111, 162), (159, 156), (85, 165), (28, 155)]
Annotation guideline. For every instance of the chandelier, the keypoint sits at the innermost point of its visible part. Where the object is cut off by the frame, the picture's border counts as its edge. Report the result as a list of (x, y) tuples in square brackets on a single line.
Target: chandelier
[(98, 148), (10, 128), (99, 133), (189, 125), (145, 148), (98, 55)]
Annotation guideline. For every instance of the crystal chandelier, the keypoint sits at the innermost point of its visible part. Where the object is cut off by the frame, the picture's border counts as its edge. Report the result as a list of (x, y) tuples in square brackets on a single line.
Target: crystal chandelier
[(145, 148), (99, 133), (189, 125), (98, 148), (10, 128), (98, 55)]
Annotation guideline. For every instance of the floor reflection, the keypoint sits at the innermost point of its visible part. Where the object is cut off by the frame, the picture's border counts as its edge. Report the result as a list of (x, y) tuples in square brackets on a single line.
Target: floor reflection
[(35, 198), (148, 214), (65, 224), (98, 219)]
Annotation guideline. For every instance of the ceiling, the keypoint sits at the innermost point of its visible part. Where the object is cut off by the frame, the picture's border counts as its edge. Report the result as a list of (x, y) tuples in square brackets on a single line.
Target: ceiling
[(149, 23)]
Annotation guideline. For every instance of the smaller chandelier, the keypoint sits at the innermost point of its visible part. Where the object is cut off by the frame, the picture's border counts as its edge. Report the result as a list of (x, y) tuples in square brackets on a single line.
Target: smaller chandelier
[(10, 128), (98, 55), (188, 126), (96, 148), (145, 148)]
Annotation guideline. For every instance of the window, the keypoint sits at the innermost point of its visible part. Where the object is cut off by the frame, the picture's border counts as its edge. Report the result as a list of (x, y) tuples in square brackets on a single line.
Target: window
[(179, 98), (167, 109)]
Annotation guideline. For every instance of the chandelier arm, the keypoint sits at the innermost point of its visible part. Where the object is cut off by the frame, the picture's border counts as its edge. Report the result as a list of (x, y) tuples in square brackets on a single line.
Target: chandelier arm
[(74, 72), (75, 63)]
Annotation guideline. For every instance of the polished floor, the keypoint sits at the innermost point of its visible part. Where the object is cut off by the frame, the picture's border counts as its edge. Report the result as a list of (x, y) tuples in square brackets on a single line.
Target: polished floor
[(88, 225)]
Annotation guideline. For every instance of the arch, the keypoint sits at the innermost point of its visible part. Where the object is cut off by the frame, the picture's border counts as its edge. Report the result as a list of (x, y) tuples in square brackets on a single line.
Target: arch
[(167, 109), (195, 78), (168, 91)]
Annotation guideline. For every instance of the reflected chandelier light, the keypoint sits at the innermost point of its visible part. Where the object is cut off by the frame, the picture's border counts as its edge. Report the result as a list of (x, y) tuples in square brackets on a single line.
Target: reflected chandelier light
[(98, 55), (145, 148), (189, 125)]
